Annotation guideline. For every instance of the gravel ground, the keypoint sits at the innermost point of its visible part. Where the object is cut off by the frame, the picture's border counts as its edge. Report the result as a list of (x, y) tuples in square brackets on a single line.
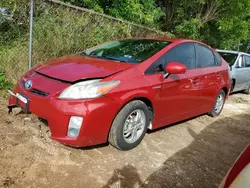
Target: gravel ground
[(194, 153)]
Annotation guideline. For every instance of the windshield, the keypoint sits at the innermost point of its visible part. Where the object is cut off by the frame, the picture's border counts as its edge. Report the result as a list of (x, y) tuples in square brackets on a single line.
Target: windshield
[(130, 50), (229, 57)]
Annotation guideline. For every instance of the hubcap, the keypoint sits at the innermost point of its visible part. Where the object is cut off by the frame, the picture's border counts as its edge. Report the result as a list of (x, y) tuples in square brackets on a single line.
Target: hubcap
[(134, 126), (219, 103)]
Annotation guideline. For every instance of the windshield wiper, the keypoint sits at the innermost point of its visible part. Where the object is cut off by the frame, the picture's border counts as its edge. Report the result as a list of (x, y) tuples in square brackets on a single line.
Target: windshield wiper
[(103, 57), (110, 58)]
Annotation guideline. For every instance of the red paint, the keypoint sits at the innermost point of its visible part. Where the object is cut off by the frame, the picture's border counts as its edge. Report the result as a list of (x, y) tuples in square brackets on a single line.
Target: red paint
[(178, 97), (175, 68), (76, 67), (240, 164)]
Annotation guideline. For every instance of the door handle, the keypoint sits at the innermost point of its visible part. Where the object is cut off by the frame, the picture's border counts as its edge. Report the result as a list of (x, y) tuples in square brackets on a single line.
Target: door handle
[(195, 81), (218, 76)]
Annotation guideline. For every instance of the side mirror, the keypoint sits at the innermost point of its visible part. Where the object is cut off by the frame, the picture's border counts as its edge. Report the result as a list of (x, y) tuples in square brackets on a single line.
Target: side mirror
[(175, 68)]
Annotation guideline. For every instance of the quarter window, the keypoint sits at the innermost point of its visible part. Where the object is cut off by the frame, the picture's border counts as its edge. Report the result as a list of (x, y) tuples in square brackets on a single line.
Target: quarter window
[(217, 58), (205, 56)]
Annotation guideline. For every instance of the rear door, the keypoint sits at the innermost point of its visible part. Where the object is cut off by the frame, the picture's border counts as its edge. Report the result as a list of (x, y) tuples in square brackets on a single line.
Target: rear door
[(209, 66)]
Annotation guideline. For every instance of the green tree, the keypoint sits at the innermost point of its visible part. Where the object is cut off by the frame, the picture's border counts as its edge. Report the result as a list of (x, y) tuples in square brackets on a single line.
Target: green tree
[(137, 11), (220, 23)]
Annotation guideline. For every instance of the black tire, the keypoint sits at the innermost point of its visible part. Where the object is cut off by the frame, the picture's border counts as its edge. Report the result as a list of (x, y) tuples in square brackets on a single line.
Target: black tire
[(247, 91), (232, 85), (116, 137), (214, 112)]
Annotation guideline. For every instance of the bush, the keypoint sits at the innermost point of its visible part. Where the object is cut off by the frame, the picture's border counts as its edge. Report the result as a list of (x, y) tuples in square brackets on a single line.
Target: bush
[(4, 83)]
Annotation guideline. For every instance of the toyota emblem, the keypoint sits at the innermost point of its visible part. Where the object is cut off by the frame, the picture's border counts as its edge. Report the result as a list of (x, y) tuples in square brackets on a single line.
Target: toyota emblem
[(28, 84)]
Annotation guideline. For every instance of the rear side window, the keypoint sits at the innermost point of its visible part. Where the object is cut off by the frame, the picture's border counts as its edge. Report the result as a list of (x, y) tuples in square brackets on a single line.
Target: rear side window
[(183, 53), (205, 56)]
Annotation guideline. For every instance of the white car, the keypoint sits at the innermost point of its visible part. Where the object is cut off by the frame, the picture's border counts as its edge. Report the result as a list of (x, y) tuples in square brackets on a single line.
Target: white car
[(239, 63)]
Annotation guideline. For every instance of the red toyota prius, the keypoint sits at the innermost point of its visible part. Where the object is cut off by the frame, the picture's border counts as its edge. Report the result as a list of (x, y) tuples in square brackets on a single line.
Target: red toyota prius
[(116, 91)]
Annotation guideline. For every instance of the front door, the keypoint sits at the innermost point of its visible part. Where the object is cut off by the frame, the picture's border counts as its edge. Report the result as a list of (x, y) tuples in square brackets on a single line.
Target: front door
[(180, 96)]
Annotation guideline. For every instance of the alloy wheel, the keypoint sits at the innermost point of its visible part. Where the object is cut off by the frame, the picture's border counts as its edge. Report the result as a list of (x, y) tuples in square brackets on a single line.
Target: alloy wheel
[(219, 103), (134, 126)]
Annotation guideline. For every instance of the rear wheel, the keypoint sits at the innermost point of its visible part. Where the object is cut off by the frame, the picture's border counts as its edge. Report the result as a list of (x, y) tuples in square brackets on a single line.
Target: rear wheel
[(218, 106), (247, 91), (129, 126)]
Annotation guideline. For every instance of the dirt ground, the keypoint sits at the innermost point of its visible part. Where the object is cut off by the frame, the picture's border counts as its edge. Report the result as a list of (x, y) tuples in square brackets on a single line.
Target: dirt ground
[(195, 153)]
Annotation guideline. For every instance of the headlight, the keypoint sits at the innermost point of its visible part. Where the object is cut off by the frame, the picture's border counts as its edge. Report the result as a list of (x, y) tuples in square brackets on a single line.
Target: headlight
[(88, 89)]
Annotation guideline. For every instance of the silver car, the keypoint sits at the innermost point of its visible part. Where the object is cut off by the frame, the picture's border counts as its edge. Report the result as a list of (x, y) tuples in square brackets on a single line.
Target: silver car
[(239, 63)]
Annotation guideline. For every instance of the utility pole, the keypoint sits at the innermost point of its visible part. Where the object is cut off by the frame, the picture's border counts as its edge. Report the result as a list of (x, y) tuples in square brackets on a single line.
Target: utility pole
[(31, 32)]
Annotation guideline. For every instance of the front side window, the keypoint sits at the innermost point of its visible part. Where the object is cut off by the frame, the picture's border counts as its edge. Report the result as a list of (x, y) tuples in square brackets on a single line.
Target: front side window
[(205, 56), (130, 50), (183, 53), (230, 58), (247, 58)]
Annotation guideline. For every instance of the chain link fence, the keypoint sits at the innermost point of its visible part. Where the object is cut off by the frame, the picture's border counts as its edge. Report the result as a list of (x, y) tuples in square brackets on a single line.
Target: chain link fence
[(61, 29)]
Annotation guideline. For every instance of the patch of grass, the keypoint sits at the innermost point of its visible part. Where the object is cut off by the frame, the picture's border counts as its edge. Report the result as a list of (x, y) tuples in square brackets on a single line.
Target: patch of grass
[(4, 83)]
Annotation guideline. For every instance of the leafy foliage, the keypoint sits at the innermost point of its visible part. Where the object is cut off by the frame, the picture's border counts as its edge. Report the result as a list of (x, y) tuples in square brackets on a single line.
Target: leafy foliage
[(139, 11), (4, 83), (220, 23), (13, 21), (58, 31)]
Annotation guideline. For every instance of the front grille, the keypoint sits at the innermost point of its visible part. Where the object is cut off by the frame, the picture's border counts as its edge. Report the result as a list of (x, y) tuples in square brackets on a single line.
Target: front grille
[(35, 91), (23, 83), (39, 92)]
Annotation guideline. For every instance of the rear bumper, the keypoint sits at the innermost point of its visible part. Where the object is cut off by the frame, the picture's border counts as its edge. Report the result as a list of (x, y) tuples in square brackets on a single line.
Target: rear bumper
[(97, 114)]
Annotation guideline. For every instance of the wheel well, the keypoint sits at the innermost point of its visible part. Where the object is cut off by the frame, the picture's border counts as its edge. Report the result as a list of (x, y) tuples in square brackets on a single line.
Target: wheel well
[(233, 84), (149, 105), (225, 89), (143, 99)]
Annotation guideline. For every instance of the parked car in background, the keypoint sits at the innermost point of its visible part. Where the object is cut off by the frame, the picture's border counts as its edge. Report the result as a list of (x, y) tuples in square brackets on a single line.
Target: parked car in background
[(116, 91), (239, 63)]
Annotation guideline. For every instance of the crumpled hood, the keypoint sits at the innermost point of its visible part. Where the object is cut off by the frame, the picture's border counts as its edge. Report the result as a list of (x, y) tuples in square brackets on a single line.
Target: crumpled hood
[(77, 67)]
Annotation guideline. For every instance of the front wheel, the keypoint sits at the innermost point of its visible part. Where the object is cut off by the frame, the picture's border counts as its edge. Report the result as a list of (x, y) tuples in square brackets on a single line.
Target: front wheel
[(129, 126), (218, 106)]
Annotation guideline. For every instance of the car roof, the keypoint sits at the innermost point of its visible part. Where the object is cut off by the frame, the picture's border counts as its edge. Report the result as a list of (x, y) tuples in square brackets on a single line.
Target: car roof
[(173, 40), (233, 52), (170, 39), (227, 51)]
